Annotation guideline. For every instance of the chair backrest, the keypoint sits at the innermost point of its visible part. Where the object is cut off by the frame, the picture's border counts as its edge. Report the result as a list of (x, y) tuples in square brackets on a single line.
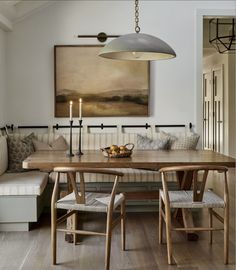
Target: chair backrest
[(80, 194), (195, 176)]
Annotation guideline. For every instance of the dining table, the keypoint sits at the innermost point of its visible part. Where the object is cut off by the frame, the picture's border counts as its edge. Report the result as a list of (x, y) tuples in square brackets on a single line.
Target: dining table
[(148, 159), (140, 159)]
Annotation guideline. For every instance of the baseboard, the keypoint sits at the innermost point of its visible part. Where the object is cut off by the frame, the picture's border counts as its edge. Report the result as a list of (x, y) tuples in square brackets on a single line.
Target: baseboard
[(15, 227)]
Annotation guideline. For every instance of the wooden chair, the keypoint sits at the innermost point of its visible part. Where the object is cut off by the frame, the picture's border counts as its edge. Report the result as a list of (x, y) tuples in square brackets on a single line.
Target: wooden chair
[(78, 201), (195, 198)]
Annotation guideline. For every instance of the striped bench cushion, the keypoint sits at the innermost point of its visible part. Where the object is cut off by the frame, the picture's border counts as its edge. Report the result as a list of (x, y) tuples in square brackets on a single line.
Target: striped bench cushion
[(24, 183), (130, 175)]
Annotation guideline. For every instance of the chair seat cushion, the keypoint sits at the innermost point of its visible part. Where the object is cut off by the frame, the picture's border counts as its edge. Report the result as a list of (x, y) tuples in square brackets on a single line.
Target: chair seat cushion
[(24, 183), (184, 199), (95, 202), (130, 175)]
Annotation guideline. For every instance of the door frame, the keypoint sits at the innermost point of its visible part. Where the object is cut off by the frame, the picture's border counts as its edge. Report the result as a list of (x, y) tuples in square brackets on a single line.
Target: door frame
[(200, 14)]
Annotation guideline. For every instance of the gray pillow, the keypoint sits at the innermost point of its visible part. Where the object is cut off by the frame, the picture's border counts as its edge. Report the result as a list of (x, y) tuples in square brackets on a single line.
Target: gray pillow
[(169, 137), (18, 150), (145, 143), (59, 144)]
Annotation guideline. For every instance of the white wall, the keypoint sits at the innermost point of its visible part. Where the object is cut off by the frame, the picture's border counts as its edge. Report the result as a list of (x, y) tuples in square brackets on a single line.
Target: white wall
[(2, 77), (30, 74)]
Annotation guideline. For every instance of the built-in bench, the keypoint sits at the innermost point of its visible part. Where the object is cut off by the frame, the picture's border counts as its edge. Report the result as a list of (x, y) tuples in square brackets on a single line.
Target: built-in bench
[(24, 195), (21, 195)]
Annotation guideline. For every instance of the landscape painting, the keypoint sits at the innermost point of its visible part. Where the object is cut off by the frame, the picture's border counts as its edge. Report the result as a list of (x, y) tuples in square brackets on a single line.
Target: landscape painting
[(107, 87)]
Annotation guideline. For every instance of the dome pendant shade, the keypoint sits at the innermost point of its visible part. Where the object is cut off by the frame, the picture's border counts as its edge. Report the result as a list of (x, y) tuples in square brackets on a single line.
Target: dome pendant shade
[(137, 46)]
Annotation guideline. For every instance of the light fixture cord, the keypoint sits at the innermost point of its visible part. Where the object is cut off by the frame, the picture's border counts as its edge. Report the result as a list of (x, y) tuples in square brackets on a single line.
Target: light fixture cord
[(137, 28)]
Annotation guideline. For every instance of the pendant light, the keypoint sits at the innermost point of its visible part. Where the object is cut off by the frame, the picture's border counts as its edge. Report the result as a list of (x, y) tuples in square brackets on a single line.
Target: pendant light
[(137, 46), (222, 34)]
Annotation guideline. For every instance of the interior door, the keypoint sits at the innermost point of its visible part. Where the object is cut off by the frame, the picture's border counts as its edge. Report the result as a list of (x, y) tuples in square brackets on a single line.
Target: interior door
[(207, 111), (218, 109), (213, 109)]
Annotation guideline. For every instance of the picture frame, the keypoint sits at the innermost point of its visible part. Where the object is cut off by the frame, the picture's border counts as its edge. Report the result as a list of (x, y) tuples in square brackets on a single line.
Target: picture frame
[(109, 88)]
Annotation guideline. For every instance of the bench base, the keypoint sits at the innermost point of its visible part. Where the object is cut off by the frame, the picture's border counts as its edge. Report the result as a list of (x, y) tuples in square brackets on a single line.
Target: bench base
[(17, 212), (15, 227)]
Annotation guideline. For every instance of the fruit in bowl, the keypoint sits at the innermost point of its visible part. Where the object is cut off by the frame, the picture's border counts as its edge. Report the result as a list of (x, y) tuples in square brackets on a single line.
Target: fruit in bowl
[(114, 148), (118, 151), (123, 148)]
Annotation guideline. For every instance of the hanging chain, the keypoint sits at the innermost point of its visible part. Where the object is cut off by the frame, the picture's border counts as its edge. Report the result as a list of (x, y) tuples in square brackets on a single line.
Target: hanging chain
[(137, 28)]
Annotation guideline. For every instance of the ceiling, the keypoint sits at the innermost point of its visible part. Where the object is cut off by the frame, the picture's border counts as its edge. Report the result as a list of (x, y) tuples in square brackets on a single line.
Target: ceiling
[(12, 11), (11, 3)]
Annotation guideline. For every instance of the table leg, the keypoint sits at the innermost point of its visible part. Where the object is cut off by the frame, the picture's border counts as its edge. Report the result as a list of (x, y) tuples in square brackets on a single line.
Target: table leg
[(69, 222), (184, 216)]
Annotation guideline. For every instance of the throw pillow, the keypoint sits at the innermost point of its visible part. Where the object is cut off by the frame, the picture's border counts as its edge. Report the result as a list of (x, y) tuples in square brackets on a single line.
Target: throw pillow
[(3, 155), (59, 144), (18, 150), (145, 143), (166, 136), (185, 143)]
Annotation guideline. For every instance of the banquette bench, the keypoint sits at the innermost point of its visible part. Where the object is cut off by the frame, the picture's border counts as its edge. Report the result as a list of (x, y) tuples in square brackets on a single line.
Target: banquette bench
[(23, 195)]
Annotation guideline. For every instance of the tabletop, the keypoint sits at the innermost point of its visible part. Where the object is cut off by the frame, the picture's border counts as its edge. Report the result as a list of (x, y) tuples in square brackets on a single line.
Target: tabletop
[(149, 159)]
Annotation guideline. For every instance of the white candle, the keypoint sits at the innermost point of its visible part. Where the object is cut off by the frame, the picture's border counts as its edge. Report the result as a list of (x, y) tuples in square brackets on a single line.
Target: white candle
[(80, 108), (71, 104)]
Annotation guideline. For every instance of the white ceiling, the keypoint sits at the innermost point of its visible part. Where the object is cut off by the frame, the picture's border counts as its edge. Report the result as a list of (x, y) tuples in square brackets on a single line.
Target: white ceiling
[(12, 11), (11, 3)]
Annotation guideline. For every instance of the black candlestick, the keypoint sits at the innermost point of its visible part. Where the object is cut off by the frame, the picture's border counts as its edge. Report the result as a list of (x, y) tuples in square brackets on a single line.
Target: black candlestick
[(70, 154), (79, 153)]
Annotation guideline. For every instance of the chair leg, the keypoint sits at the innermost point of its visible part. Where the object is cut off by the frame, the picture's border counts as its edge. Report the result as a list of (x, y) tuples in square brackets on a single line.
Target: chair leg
[(108, 248), (108, 239), (210, 225), (53, 236), (75, 226), (160, 221), (226, 235), (168, 236), (123, 217)]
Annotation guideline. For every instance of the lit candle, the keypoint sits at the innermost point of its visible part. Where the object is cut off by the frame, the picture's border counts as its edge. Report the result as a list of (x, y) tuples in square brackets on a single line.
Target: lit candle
[(80, 108), (71, 104)]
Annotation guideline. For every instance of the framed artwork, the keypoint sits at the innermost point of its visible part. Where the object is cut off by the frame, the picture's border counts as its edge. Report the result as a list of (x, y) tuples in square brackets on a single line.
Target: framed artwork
[(107, 87)]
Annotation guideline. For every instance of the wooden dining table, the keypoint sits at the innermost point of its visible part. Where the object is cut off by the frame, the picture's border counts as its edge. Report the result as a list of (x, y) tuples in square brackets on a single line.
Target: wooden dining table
[(145, 159), (148, 159)]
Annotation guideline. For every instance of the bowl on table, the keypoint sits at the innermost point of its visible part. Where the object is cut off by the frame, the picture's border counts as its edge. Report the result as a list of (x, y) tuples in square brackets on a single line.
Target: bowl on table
[(115, 151)]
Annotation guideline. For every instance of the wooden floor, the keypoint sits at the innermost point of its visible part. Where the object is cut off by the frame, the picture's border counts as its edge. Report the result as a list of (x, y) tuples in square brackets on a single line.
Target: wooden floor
[(31, 250)]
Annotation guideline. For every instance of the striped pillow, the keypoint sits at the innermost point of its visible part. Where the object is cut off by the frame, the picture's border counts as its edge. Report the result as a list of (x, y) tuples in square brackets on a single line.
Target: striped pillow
[(185, 143)]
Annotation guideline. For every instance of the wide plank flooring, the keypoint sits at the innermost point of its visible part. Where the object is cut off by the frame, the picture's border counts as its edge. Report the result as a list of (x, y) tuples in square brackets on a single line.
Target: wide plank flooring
[(31, 250)]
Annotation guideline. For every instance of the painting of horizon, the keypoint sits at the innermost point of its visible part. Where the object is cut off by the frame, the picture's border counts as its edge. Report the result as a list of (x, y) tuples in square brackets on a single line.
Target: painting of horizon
[(108, 87)]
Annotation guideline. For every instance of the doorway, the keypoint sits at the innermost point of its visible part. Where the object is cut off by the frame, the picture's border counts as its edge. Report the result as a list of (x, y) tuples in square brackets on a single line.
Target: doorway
[(218, 96), (213, 108)]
